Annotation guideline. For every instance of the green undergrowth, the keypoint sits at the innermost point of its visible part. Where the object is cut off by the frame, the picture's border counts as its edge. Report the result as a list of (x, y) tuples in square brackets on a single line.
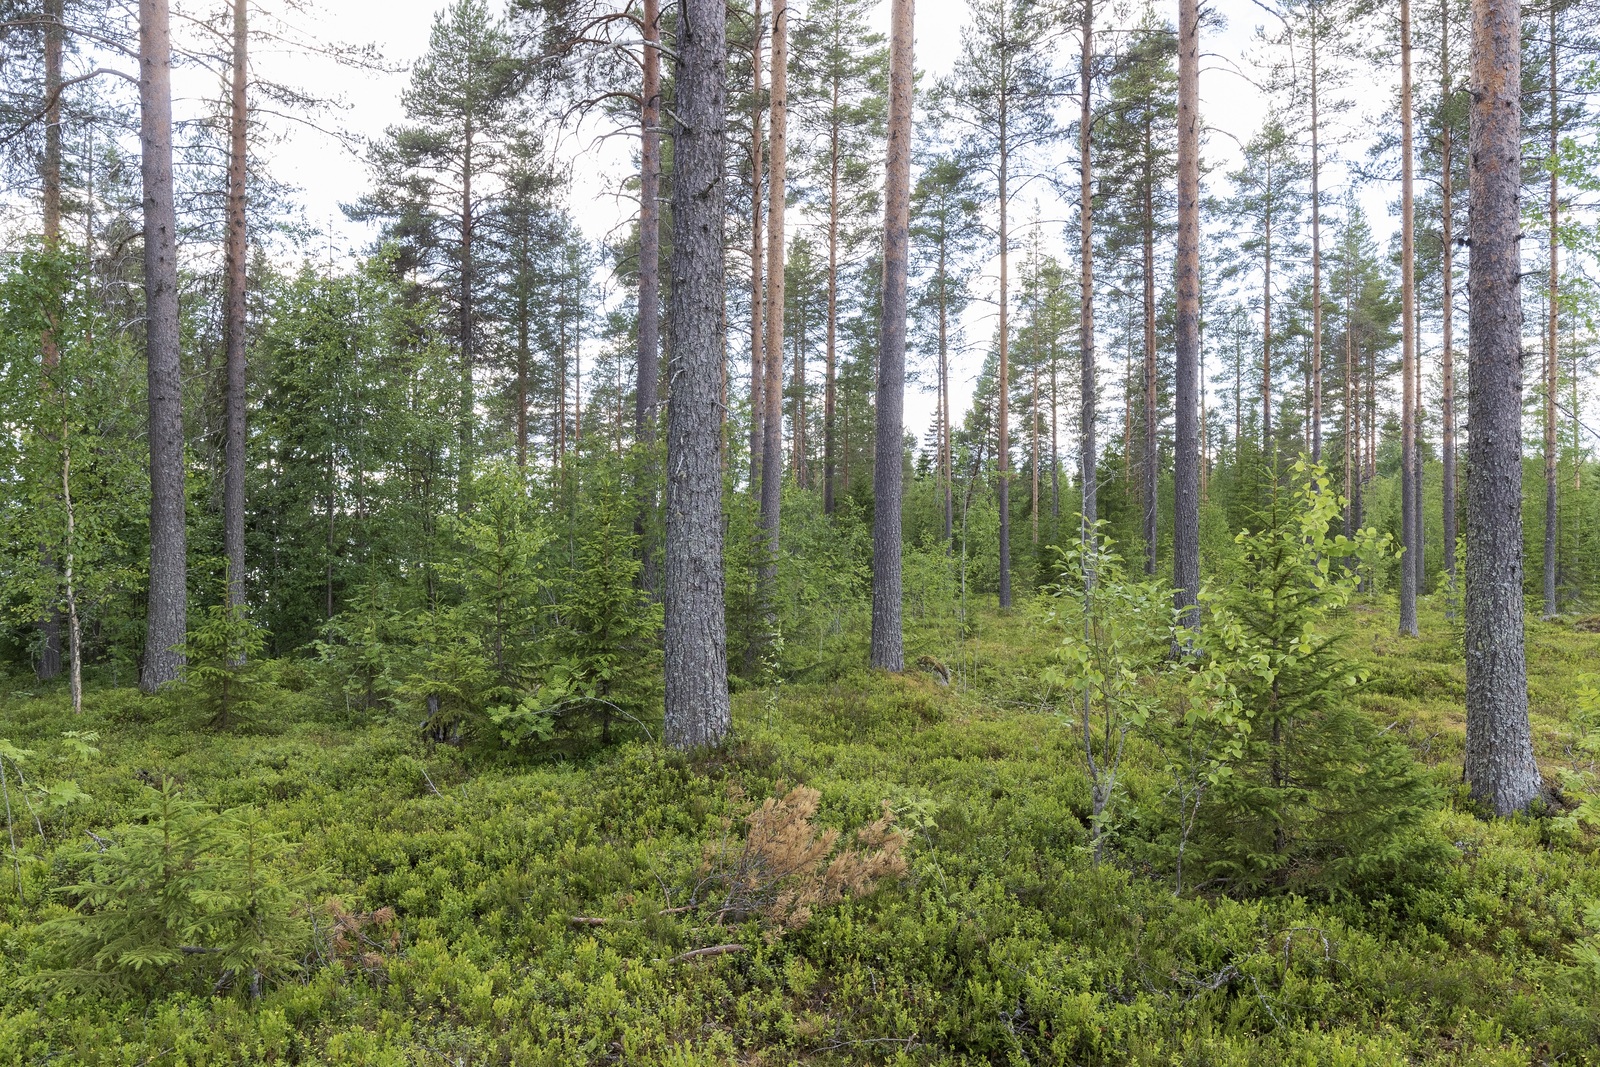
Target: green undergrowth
[(437, 886)]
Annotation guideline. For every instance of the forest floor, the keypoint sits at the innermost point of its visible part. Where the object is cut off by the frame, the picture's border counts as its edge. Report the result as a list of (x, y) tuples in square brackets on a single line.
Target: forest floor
[(1002, 942)]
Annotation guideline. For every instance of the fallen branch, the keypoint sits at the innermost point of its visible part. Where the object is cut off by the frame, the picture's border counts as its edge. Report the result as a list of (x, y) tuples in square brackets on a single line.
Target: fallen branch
[(586, 920), (714, 950)]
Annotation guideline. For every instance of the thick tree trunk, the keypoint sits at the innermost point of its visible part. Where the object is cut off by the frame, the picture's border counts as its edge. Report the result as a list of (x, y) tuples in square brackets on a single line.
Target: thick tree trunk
[(1408, 342), (888, 652), (167, 610), (1500, 768), (645, 396), (696, 664), (1552, 606), (1187, 459), (1086, 417), (234, 316), (772, 437), (758, 262)]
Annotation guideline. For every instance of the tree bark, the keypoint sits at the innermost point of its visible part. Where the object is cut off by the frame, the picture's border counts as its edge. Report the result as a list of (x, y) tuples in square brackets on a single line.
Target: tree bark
[(696, 663), (645, 398), (888, 651), (1552, 606), (829, 385), (1316, 246), (49, 665), (167, 609), (1408, 342), (758, 366), (1003, 449), (1500, 767), (1447, 445), (1151, 469), (1187, 459), (772, 436), (1086, 417), (234, 315)]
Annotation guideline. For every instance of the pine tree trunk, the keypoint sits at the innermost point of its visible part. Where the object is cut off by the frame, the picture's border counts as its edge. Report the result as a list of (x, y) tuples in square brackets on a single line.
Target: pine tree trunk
[(1447, 445), (1408, 342), (888, 652), (1316, 248), (758, 259), (1552, 607), (1150, 471), (49, 666), (944, 397), (1500, 768), (829, 385), (645, 396), (772, 437), (1187, 460), (464, 325), (1086, 355), (167, 610), (234, 315), (1003, 450), (696, 663), (1269, 447)]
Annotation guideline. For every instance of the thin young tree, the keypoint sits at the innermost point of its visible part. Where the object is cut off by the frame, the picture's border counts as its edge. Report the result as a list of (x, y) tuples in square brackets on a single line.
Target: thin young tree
[(777, 249), (167, 611), (1551, 375), (1408, 341), (1500, 768), (1186, 456), (888, 651), (1086, 352), (696, 663)]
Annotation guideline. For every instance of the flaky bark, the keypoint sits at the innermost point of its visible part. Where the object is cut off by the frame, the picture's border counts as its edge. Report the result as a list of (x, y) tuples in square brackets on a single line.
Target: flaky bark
[(696, 664), (1500, 768), (888, 651), (1447, 445), (1316, 247), (49, 664), (167, 611), (1187, 459), (1003, 451), (758, 262)]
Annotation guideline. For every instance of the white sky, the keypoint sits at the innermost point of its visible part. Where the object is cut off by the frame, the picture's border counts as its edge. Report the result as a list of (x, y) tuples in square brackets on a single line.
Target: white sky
[(328, 174)]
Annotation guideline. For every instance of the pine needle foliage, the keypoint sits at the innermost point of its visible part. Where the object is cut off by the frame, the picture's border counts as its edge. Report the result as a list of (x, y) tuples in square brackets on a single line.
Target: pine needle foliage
[(1306, 793), (180, 900)]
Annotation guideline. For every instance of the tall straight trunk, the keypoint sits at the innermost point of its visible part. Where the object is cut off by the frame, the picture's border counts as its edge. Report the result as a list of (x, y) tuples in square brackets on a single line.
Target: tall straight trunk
[(758, 260), (1151, 470), (888, 650), (49, 664), (1316, 248), (696, 660), (830, 374), (1551, 367), (1345, 430), (465, 324), (1447, 446), (1187, 459), (1408, 341), (524, 355), (944, 397), (797, 432), (1003, 451), (1500, 768), (645, 396), (1055, 443), (167, 610), (772, 435), (234, 315), (1269, 446), (1086, 417)]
